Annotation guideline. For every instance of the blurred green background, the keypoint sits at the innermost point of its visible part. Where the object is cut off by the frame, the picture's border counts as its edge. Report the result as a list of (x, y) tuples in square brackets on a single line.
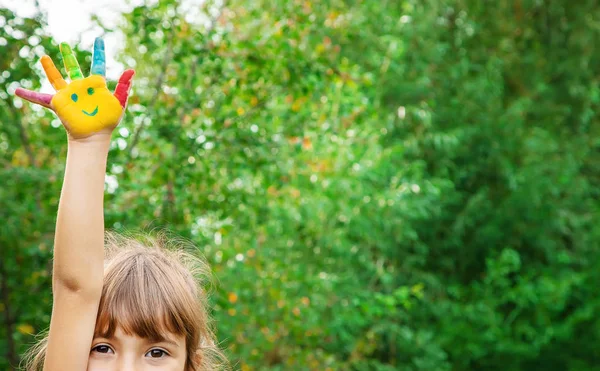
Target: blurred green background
[(377, 184)]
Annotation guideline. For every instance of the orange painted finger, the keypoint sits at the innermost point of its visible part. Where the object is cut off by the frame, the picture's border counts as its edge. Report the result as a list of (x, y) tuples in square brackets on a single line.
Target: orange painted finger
[(53, 74)]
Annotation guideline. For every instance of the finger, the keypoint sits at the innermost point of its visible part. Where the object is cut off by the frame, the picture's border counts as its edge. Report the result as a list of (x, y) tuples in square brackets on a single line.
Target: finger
[(124, 86), (70, 62), (35, 97), (99, 59), (53, 74)]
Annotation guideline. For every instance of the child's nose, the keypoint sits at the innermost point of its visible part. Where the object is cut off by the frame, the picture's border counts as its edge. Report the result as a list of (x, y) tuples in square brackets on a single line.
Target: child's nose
[(128, 362)]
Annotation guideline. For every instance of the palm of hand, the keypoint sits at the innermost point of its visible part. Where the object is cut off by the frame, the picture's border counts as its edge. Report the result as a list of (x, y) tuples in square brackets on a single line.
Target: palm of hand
[(85, 105)]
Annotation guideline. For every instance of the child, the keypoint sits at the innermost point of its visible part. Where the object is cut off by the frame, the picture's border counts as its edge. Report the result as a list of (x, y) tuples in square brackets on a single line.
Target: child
[(140, 306)]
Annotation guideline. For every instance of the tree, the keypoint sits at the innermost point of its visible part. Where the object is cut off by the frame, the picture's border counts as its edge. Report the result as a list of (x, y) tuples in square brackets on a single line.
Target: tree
[(390, 185)]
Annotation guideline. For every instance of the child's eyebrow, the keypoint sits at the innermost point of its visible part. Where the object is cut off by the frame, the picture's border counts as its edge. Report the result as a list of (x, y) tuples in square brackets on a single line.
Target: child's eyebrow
[(163, 339), (170, 342), (101, 338)]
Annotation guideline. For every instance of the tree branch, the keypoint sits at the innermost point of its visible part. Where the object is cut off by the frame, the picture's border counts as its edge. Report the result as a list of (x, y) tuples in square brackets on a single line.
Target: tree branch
[(170, 194), (157, 90), (22, 132), (165, 62), (25, 142)]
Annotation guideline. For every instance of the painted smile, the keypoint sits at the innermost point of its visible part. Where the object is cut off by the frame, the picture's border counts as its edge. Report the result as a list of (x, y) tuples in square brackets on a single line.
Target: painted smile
[(94, 112)]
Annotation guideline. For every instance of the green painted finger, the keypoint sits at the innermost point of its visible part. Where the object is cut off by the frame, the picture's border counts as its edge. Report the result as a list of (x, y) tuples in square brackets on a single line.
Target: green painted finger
[(70, 62)]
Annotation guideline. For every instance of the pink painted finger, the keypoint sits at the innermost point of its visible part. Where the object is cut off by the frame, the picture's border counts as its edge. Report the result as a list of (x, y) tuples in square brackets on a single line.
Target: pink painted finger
[(35, 97), (124, 86)]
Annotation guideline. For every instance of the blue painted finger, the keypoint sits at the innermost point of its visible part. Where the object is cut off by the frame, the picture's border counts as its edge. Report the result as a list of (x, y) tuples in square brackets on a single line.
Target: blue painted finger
[(99, 58)]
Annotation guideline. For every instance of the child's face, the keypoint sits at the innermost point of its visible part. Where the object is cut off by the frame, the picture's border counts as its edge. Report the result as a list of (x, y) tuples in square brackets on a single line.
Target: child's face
[(128, 352)]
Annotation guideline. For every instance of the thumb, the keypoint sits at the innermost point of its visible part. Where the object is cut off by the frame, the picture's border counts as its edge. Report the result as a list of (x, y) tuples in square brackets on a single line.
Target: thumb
[(35, 97)]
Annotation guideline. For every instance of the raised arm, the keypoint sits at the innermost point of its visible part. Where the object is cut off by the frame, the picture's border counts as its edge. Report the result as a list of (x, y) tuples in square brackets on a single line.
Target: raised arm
[(79, 236), (89, 112)]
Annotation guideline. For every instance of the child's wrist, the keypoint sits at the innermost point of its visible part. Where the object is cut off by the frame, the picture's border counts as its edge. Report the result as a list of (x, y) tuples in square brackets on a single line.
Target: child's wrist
[(98, 142)]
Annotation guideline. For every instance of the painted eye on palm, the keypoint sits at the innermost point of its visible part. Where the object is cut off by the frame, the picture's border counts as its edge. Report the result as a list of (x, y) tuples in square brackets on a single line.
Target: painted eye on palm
[(75, 98), (85, 105)]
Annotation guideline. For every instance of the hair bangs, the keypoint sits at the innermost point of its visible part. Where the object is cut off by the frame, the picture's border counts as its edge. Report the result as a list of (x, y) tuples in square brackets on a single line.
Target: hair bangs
[(138, 298)]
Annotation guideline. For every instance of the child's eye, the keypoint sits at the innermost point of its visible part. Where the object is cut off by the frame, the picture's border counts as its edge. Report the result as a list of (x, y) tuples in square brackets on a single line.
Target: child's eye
[(104, 349), (74, 97), (157, 353), (90, 91)]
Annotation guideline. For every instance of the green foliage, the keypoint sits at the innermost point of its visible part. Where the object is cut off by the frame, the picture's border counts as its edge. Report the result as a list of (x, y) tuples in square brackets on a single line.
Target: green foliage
[(378, 185)]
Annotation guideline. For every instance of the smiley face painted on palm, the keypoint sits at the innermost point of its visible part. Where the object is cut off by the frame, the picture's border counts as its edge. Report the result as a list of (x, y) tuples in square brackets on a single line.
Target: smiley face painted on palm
[(85, 105)]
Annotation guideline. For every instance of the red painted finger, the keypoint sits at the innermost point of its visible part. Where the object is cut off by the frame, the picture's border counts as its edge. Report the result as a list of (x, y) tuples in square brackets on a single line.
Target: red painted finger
[(35, 97), (124, 86)]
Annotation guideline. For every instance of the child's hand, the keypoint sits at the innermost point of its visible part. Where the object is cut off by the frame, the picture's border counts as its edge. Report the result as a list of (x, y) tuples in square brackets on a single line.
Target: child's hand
[(85, 105)]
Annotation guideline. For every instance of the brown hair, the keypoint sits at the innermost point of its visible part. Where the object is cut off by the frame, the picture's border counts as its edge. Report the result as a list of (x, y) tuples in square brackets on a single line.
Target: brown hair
[(153, 286)]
